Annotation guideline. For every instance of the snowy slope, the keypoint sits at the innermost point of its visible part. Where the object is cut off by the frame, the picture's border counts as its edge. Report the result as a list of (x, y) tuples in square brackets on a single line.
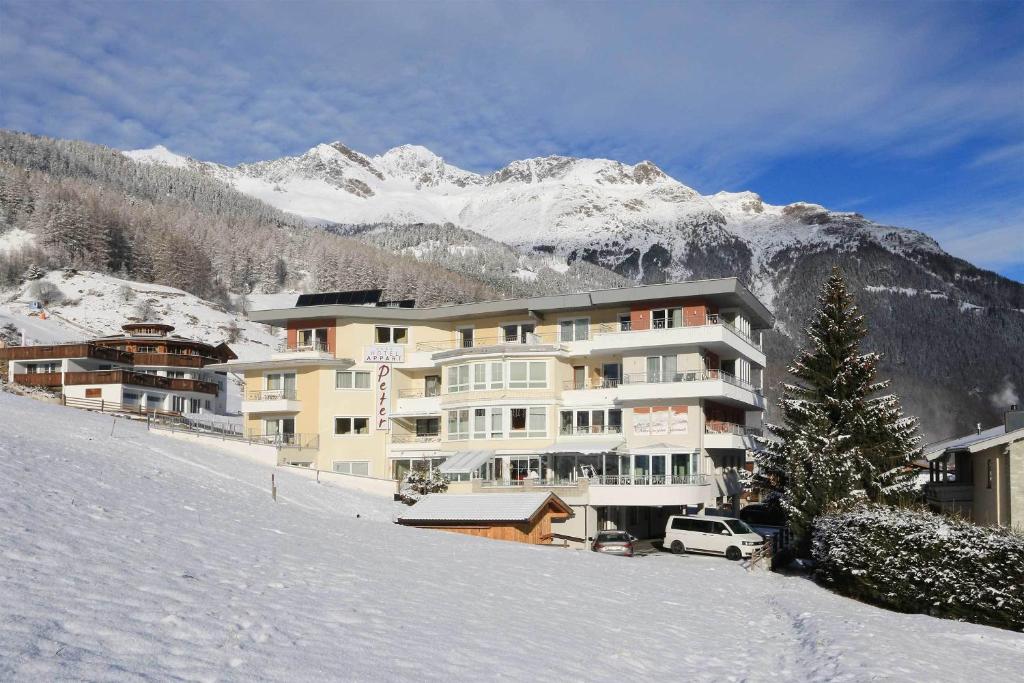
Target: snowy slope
[(129, 555), (93, 306)]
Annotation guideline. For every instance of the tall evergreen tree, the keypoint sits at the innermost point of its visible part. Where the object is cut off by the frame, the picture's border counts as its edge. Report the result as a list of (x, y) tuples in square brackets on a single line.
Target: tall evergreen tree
[(841, 437)]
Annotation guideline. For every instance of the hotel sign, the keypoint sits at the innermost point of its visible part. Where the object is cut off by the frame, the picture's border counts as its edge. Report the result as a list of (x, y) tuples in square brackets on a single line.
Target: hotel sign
[(382, 411), (384, 353)]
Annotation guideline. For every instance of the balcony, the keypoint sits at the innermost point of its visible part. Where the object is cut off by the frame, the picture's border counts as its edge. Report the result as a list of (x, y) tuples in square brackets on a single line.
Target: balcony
[(310, 350), (657, 386), (650, 489), (39, 379), (729, 435), (416, 403), (715, 334), (271, 401), (287, 440), (77, 350), (173, 360), (491, 344), (140, 379), (415, 442)]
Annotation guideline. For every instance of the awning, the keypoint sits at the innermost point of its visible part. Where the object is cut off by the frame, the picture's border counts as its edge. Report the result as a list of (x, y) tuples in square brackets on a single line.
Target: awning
[(465, 462), (583, 446)]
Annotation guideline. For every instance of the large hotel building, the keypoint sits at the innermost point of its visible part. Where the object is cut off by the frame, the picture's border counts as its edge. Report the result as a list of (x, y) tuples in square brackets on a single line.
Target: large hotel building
[(630, 404)]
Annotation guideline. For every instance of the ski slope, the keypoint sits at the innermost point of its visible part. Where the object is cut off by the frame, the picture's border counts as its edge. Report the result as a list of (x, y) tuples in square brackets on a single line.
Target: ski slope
[(129, 555)]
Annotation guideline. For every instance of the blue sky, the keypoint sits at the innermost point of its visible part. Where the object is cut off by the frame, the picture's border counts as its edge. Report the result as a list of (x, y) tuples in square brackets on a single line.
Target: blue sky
[(910, 113)]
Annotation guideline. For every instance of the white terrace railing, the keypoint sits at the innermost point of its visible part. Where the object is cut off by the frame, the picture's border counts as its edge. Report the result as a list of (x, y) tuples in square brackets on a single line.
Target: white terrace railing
[(271, 395), (477, 341), (709, 320), (415, 438), (718, 427), (649, 480)]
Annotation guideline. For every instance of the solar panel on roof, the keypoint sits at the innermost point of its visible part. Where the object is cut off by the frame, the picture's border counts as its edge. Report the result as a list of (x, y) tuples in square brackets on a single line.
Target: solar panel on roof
[(361, 297)]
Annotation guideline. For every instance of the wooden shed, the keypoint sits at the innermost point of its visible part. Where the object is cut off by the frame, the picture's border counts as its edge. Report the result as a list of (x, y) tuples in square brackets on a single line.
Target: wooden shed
[(519, 517)]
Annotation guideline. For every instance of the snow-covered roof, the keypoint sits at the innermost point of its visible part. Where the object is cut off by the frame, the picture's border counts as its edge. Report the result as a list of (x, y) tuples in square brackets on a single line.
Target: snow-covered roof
[(479, 507), (973, 443)]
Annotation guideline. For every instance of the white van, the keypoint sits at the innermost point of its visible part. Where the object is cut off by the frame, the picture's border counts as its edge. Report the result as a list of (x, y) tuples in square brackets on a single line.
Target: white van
[(719, 535)]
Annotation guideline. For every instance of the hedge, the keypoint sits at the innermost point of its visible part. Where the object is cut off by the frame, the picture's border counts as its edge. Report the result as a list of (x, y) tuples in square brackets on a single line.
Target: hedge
[(916, 561)]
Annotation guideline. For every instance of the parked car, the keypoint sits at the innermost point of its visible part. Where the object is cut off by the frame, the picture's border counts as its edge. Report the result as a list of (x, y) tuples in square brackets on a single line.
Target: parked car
[(614, 543), (717, 535)]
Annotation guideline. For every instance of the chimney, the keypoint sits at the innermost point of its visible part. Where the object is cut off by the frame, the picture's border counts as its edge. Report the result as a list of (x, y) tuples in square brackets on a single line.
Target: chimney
[(1014, 418), (977, 428)]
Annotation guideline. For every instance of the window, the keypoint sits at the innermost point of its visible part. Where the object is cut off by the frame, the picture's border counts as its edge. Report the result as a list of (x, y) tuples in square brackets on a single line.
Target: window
[(391, 335), (360, 467), (464, 336), (129, 398), (351, 426), (625, 322), (527, 375), (521, 468), (661, 368), (176, 374), (283, 382), (528, 422), (93, 393), (476, 376), (458, 425), (194, 405), (311, 340), (178, 404), (574, 330), (496, 423), (352, 379), (144, 348), (666, 317), (990, 477), (480, 423), (458, 378), (154, 400), (432, 385), (515, 333), (208, 404), (428, 426)]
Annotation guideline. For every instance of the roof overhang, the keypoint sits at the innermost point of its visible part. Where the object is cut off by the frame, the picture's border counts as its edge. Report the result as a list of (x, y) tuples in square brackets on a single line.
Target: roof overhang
[(727, 292), (280, 363)]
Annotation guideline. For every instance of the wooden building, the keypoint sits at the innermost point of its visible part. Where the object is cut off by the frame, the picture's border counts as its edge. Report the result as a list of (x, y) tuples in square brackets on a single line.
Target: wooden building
[(523, 518)]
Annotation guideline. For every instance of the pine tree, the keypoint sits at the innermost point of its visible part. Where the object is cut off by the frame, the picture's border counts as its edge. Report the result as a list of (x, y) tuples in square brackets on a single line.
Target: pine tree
[(840, 438)]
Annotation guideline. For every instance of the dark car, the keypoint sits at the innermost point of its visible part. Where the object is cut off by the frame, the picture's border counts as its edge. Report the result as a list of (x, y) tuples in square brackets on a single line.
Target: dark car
[(614, 543)]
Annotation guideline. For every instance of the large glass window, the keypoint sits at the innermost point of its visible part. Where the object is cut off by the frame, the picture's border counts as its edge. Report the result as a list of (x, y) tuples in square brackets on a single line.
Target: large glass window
[(352, 379), (516, 333), (311, 340), (458, 378), (661, 368), (475, 376), (458, 425), (524, 468), (527, 374), (574, 330), (528, 422), (666, 317), (351, 426)]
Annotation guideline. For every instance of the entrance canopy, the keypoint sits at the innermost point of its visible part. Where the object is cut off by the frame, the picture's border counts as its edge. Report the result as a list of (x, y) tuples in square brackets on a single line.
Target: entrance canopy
[(583, 446), (465, 462)]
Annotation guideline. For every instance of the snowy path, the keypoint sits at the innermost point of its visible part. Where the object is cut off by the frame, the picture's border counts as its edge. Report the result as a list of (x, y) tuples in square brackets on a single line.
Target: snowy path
[(135, 556)]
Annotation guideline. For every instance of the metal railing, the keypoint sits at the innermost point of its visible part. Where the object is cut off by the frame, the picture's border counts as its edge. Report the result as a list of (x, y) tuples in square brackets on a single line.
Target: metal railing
[(232, 431), (577, 430), (419, 393), (415, 438), (709, 320), (718, 427), (284, 440), (599, 383), (271, 395), (320, 347), (649, 480), (688, 376), (527, 339)]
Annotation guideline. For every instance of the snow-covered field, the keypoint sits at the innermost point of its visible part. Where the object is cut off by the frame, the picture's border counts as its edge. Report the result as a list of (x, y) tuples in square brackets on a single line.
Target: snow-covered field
[(127, 555)]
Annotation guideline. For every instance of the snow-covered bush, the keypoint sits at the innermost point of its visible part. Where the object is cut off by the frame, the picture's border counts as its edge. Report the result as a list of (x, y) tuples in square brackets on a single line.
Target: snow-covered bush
[(419, 483), (916, 561)]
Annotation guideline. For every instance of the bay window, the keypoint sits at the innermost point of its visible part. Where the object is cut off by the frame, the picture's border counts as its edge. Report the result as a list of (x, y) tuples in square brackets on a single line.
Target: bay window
[(527, 375), (528, 422), (458, 425)]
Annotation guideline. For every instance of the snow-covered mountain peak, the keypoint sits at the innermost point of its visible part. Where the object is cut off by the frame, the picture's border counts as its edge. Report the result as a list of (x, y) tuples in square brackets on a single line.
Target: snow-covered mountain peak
[(423, 167), (158, 155)]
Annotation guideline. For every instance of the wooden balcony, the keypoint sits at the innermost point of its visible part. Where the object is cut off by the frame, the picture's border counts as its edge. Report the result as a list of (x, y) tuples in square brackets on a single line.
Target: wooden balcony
[(172, 360), (39, 379), (139, 379), (78, 350)]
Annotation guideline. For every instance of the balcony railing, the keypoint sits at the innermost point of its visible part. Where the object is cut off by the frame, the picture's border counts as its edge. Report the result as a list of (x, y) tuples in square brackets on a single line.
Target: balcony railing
[(419, 393), (285, 440), (415, 438), (481, 341), (649, 480), (709, 320), (39, 379), (140, 379), (688, 376), (76, 350), (599, 383), (718, 427), (319, 347), (592, 430), (271, 395)]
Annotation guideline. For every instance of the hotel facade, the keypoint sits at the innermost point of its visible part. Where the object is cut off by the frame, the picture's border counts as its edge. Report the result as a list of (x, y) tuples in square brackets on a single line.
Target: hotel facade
[(630, 404)]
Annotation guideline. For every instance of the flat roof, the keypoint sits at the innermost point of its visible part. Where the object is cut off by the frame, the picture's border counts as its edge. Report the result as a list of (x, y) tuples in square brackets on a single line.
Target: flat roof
[(725, 291)]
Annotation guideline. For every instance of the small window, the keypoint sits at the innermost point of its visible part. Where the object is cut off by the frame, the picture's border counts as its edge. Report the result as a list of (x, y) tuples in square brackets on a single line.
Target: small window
[(391, 335), (496, 422), (351, 426), (178, 404), (361, 468), (990, 474), (208, 404), (625, 322), (352, 379), (465, 337), (480, 423), (129, 397)]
